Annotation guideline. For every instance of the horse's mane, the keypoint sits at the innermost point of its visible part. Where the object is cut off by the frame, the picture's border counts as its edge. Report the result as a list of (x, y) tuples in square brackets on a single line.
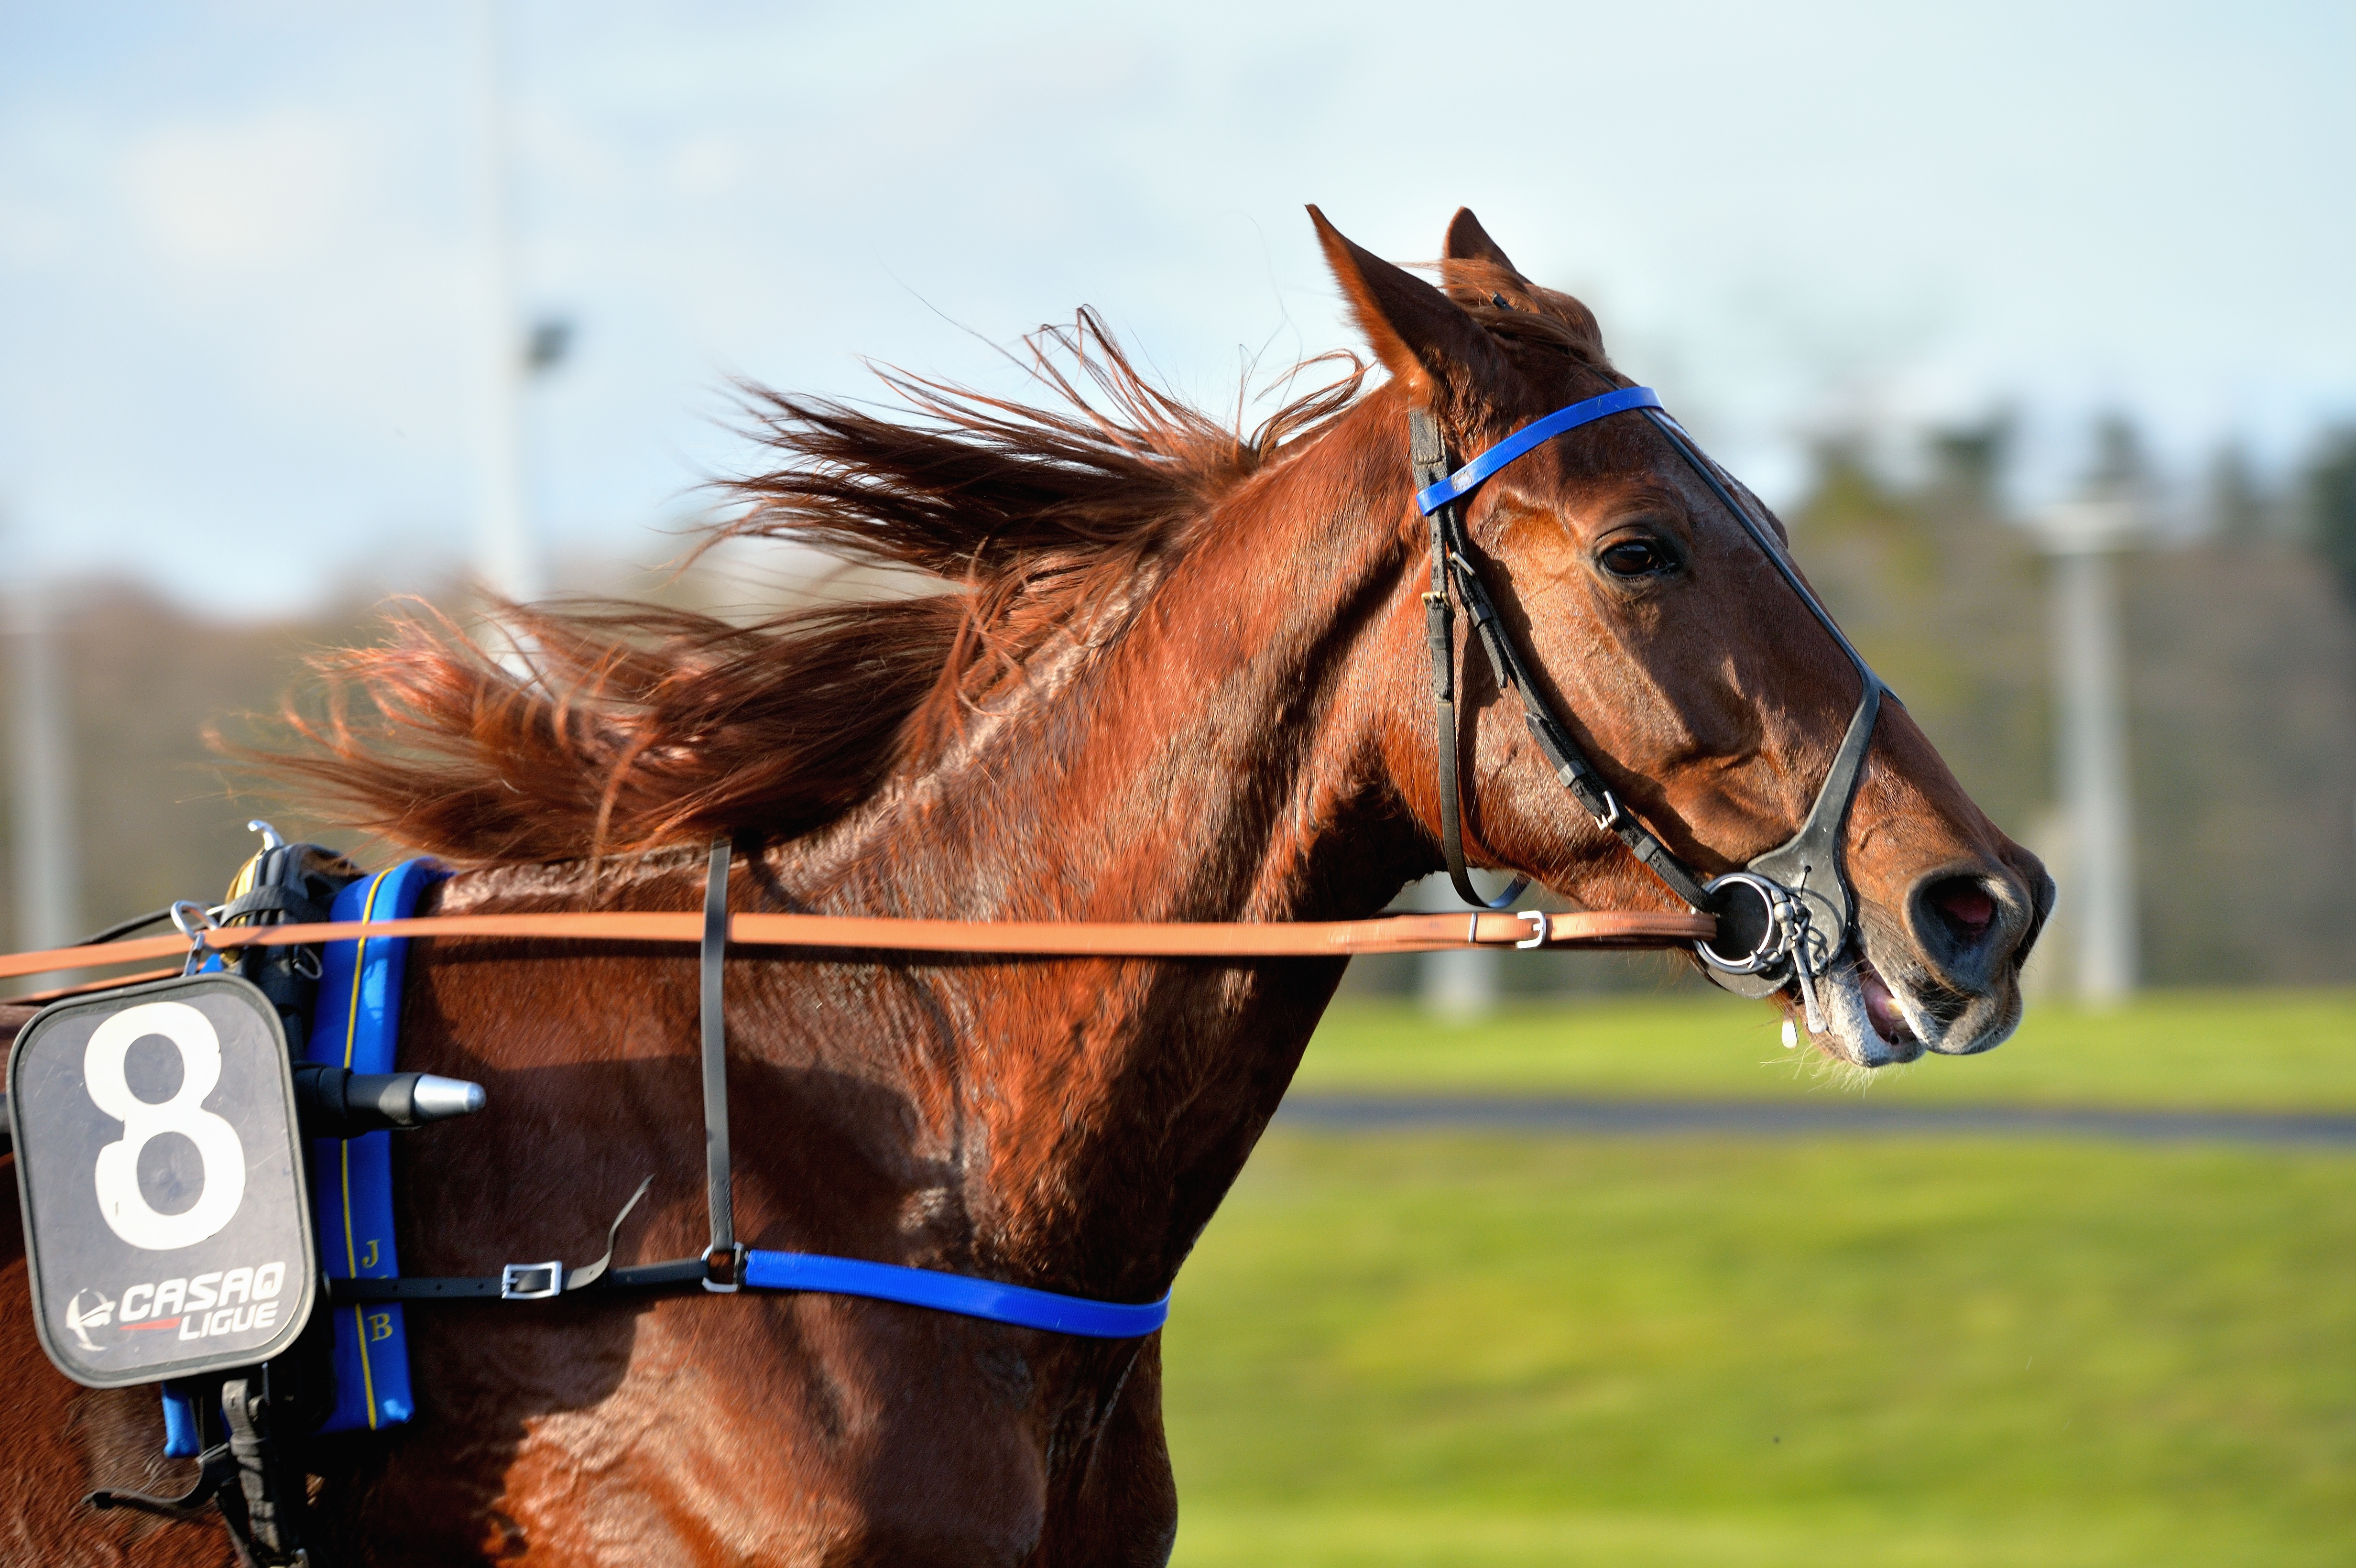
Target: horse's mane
[(617, 728)]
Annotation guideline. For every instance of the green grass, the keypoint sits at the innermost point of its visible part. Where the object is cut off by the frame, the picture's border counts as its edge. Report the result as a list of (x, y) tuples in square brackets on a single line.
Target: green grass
[(1427, 1350), (2246, 1050)]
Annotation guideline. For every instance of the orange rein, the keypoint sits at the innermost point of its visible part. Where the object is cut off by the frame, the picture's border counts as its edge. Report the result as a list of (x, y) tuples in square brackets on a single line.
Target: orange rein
[(1326, 939)]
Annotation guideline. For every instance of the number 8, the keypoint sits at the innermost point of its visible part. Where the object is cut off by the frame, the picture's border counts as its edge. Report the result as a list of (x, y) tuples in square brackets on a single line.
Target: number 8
[(125, 1209)]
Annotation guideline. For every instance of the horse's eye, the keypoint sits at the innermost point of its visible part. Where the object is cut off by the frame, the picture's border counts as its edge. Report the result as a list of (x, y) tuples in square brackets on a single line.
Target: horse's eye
[(1634, 558)]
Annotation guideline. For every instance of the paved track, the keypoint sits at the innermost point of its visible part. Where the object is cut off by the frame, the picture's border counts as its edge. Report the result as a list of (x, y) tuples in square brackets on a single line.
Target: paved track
[(1370, 1113)]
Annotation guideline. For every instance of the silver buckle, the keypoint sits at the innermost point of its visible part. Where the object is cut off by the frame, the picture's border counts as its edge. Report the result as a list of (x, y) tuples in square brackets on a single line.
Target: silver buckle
[(735, 1272), (193, 920), (515, 1281), (1541, 923)]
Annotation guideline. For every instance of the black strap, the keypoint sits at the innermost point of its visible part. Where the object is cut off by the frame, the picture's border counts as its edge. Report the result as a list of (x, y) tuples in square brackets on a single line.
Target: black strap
[(1810, 862), (1428, 455), (530, 1279), (216, 1468), (119, 930), (274, 1496), (723, 1260)]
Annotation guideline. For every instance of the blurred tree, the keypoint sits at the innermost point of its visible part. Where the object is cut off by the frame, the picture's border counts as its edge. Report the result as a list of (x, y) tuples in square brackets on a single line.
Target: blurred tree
[(2242, 727), (2239, 506), (2331, 500), (1944, 599), (2119, 458)]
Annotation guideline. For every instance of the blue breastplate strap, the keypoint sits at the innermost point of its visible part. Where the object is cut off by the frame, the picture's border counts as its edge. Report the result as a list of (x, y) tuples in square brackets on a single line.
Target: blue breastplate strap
[(1465, 480), (1015, 1303)]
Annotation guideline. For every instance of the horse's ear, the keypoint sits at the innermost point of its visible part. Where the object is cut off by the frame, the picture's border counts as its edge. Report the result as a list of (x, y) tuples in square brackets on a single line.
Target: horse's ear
[(1435, 350), (1468, 241)]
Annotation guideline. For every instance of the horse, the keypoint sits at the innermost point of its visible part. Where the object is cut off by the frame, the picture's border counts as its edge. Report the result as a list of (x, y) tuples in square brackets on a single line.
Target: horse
[(1162, 669)]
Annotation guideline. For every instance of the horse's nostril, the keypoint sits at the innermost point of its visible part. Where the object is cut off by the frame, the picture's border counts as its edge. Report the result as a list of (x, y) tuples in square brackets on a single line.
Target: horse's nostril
[(1964, 904)]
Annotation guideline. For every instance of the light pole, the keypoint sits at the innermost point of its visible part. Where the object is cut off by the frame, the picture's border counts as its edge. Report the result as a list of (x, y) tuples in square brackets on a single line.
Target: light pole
[(2083, 540), (507, 556), (41, 757), (1458, 985)]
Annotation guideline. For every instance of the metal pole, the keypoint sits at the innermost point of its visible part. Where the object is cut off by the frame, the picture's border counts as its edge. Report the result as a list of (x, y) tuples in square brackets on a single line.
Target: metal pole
[(47, 912), (506, 554), (1458, 984), (2084, 542)]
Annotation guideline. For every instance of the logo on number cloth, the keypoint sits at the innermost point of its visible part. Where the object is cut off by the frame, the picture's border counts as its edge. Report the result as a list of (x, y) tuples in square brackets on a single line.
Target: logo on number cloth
[(189, 1307), (168, 1223)]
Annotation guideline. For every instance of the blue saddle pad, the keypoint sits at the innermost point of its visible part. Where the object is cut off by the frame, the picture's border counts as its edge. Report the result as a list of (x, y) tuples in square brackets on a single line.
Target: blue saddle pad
[(356, 1026)]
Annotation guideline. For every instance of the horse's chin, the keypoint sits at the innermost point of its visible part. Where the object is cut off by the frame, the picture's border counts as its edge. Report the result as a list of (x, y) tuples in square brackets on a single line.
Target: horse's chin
[(1875, 1023)]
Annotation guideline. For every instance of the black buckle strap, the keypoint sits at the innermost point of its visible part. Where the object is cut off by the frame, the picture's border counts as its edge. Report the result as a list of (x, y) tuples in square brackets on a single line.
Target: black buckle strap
[(532, 1281), (532, 1277)]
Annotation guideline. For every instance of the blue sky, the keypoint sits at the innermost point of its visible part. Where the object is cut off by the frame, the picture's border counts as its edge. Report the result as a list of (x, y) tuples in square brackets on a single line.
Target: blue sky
[(241, 257)]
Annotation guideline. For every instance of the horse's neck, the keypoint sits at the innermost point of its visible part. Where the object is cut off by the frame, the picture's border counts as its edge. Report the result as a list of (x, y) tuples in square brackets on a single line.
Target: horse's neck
[(1212, 762)]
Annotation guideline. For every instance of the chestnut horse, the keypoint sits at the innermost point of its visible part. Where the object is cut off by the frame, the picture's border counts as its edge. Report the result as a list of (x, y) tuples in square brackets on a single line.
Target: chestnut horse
[(1173, 672)]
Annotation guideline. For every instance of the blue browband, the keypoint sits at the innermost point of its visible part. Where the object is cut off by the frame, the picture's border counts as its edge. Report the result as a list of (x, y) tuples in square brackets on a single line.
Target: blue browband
[(1015, 1303), (1465, 480)]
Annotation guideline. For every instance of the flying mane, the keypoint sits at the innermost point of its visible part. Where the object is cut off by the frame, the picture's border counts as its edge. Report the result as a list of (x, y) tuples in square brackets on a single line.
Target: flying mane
[(616, 728)]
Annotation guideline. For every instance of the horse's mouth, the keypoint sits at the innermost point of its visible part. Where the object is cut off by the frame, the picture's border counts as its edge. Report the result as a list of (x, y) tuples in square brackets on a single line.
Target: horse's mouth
[(1873, 1023), (1869, 1022), (1881, 1010)]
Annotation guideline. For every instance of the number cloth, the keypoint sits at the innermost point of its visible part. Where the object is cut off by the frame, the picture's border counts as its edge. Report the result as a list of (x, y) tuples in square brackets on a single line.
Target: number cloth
[(355, 1026)]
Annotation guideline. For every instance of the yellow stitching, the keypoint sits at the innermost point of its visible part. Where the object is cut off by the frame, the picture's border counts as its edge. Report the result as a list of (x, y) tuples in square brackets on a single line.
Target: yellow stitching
[(351, 1251), (367, 1381), (359, 958)]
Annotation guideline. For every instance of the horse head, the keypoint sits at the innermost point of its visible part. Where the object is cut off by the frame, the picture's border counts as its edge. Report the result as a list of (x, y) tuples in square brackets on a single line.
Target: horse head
[(1650, 615)]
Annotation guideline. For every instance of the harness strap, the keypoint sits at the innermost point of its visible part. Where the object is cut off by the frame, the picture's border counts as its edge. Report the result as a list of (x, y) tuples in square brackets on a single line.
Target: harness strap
[(986, 1298), (520, 1281), (1429, 452), (272, 1492), (722, 1261)]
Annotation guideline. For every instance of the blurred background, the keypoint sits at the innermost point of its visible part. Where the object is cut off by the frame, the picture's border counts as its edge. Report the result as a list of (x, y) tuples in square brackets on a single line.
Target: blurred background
[(2033, 321)]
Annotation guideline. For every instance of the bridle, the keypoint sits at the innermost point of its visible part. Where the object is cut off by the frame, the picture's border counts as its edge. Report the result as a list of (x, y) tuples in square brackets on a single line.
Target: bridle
[(1783, 918)]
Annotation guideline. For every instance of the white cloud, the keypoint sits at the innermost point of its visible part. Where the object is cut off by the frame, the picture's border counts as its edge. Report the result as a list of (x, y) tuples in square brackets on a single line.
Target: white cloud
[(269, 193)]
